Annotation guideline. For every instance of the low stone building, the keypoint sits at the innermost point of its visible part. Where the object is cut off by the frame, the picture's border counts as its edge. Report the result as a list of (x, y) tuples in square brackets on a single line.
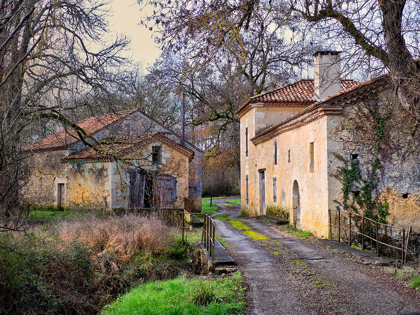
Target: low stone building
[(139, 163), (302, 143)]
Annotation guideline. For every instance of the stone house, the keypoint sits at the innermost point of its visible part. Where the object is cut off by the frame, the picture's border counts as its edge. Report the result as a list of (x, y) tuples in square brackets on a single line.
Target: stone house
[(296, 138), (139, 163)]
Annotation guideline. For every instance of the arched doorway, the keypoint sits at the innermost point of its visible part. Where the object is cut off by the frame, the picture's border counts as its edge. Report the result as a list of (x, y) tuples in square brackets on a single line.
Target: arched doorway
[(296, 204)]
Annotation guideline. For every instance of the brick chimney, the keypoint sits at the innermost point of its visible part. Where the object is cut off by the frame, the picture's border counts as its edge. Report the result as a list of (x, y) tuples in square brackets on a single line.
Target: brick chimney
[(327, 80)]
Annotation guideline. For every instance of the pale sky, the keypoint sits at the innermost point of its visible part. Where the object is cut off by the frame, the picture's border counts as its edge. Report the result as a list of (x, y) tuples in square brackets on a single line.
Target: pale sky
[(125, 20)]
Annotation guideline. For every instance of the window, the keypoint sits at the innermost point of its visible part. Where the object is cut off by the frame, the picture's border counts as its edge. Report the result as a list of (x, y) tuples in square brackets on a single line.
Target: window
[(274, 189), (247, 189), (288, 156), (246, 141), (157, 154), (311, 157), (275, 152)]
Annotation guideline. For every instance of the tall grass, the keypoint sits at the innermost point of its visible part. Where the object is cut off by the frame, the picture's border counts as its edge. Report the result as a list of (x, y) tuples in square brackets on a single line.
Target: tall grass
[(122, 236), (78, 266)]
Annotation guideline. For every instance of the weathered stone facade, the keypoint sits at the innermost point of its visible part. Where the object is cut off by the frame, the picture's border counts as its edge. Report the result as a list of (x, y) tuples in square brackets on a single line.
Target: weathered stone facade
[(290, 153), (82, 178)]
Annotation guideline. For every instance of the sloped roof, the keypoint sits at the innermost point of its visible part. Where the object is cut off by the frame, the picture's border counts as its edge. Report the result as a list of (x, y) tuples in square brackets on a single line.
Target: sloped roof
[(92, 125), (121, 147), (68, 136), (356, 91), (299, 93)]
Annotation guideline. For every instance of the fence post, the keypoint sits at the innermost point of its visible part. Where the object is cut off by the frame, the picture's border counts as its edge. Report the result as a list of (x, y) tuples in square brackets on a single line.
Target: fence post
[(339, 225), (214, 240), (208, 233), (330, 223), (377, 238), (350, 229), (211, 201), (402, 247), (203, 235), (182, 219), (363, 232)]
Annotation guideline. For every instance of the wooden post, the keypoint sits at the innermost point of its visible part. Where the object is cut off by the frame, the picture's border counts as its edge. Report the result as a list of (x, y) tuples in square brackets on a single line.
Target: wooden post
[(377, 238), (339, 225), (350, 229), (182, 219), (330, 223), (363, 232), (402, 247), (211, 201), (214, 240)]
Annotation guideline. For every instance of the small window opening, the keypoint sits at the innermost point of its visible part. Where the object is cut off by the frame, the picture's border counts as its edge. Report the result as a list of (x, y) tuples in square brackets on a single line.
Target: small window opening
[(274, 189), (275, 152), (246, 141), (405, 196), (247, 189), (311, 157), (157, 154), (354, 156), (288, 156), (356, 193)]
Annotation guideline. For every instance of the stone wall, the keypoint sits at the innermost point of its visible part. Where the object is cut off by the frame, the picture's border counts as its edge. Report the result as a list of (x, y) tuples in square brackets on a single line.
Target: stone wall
[(88, 185), (39, 188), (354, 135)]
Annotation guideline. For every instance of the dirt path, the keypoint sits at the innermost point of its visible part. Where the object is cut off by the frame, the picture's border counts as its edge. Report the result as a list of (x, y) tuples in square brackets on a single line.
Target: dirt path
[(287, 275)]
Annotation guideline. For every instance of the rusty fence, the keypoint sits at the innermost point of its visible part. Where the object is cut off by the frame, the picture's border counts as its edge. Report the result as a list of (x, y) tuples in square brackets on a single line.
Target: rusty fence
[(208, 236), (358, 230)]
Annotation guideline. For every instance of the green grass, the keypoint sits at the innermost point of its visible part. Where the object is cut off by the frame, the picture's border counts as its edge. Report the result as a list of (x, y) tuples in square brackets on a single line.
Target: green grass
[(183, 296), (208, 198), (207, 209), (415, 283), (235, 201), (298, 233), (228, 205), (45, 216)]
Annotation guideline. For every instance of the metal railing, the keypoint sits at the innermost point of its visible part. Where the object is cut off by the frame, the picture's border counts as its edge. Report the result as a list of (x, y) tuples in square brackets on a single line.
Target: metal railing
[(359, 225), (209, 235)]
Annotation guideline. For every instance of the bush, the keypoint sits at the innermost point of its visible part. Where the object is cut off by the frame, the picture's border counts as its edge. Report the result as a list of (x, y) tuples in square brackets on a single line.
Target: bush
[(78, 267), (277, 212)]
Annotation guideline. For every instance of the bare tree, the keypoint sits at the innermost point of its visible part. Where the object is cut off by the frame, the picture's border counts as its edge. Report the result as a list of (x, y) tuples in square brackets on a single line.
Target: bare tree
[(52, 60)]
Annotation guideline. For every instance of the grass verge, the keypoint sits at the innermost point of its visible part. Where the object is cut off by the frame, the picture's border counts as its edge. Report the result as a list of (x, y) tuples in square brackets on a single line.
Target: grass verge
[(234, 201), (243, 227), (207, 209), (304, 235), (183, 296)]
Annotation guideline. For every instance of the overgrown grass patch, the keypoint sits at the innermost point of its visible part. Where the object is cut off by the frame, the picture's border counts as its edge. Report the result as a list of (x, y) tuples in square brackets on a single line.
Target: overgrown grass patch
[(234, 201), (77, 266), (183, 296), (298, 233), (207, 209), (46, 216)]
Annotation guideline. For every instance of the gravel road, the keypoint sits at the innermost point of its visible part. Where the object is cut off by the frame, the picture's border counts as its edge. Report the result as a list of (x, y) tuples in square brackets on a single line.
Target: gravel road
[(288, 275)]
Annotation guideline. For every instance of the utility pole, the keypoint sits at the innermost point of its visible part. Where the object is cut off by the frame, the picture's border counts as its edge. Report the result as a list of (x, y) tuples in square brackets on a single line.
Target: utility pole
[(182, 119)]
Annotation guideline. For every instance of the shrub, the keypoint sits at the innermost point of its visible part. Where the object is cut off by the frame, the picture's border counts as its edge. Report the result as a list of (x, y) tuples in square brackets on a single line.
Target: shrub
[(277, 212), (77, 267)]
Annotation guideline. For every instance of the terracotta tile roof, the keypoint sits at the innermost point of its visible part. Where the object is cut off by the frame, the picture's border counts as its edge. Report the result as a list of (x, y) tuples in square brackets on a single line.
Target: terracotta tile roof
[(360, 89), (122, 147), (68, 136), (299, 93)]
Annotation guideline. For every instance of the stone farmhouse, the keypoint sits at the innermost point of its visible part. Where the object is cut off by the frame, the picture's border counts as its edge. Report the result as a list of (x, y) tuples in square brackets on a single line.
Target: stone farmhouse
[(139, 163), (295, 139)]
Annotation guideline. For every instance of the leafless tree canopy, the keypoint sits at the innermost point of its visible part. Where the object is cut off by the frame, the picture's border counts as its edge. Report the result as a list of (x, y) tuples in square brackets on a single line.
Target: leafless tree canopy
[(53, 61)]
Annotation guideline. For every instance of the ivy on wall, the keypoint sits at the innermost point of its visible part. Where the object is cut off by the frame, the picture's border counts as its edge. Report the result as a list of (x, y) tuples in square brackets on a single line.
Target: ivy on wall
[(365, 201)]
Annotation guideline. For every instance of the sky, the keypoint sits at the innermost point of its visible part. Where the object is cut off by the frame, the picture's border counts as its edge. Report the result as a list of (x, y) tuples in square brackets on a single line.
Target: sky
[(125, 20)]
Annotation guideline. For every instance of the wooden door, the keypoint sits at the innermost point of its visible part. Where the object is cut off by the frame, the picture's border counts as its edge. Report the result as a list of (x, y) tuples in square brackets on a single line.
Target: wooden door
[(137, 183), (165, 191), (60, 195)]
